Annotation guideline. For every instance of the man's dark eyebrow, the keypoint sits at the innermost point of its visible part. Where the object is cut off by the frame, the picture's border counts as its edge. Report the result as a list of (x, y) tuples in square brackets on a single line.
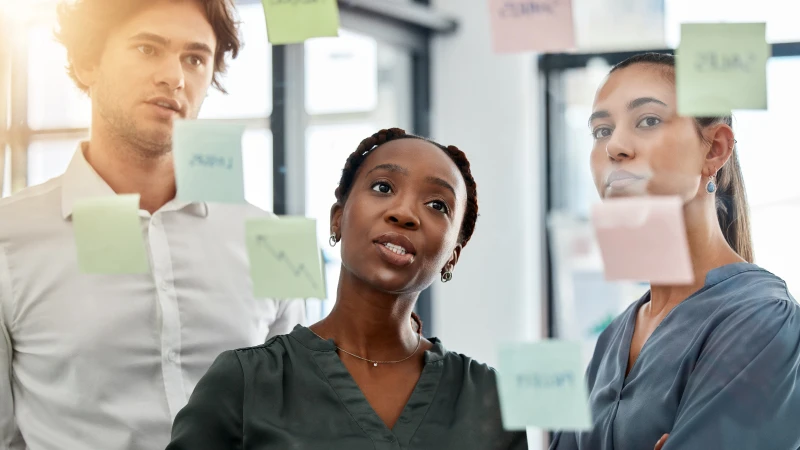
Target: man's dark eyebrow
[(156, 39), (199, 47), (151, 37), (391, 168), (440, 182)]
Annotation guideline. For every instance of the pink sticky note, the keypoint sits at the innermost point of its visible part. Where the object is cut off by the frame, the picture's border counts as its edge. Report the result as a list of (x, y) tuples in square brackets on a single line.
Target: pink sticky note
[(538, 26), (643, 239)]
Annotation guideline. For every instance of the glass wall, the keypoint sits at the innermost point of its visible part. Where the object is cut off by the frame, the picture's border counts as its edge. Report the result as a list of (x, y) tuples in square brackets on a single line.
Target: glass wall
[(352, 86), (355, 85), (764, 145)]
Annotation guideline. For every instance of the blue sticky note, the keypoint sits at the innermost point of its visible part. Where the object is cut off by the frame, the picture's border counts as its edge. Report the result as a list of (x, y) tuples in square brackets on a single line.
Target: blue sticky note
[(721, 67), (208, 161), (541, 384), (285, 259)]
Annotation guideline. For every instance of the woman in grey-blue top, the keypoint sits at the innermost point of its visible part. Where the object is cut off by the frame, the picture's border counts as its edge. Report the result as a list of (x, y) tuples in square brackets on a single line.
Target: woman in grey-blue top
[(713, 365)]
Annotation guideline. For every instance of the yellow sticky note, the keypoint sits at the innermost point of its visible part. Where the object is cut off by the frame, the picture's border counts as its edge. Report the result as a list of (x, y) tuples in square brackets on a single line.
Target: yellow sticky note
[(294, 21), (285, 260), (541, 384), (721, 67), (108, 235)]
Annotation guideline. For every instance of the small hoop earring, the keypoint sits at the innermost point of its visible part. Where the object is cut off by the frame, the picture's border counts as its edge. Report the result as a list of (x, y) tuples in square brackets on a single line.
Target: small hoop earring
[(447, 276), (711, 187), (332, 240)]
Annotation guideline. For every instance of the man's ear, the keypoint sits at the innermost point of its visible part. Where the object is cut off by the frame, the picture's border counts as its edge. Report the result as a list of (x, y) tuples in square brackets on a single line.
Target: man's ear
[(721, 149)]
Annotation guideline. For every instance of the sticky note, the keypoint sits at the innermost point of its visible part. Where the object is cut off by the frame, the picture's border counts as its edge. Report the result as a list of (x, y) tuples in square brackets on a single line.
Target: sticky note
[(541, 384), (643, 239), (108, 235), (208, 161), (532, 26), (285, 260), (721, 67), (294, 21)]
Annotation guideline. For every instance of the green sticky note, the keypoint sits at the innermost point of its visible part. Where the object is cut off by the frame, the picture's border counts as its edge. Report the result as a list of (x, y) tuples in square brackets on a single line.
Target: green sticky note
[(294, 21), (108, 235), (721, 67), (285, 259), (208, 161), (541, 384)]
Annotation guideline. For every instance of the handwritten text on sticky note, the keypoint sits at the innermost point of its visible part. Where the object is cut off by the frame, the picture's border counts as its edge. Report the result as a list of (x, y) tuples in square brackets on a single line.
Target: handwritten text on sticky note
[(541, 385), (208, 161), (294, 21), (527, 26), (285, 260), (721, 67), (108, 235)]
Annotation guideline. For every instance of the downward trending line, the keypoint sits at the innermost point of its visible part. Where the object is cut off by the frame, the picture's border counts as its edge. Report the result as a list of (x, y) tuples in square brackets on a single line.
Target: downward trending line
[(281, 256)]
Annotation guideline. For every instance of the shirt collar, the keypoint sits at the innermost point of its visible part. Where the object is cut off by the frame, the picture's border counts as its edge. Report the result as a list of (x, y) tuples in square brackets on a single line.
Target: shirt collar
[(722, 273), (311, 341), (81, 181)]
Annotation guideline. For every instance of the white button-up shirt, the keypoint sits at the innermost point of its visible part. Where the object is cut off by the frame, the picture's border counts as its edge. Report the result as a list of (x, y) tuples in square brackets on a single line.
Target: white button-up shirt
[(105, 362)]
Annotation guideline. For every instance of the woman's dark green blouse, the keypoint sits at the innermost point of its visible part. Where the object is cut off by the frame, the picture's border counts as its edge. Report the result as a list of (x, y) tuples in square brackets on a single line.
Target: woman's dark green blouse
[(294, 393)]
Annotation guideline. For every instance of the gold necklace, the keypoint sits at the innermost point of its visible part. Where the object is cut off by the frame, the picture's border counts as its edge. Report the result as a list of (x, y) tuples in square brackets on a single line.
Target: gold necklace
[(375, 363)]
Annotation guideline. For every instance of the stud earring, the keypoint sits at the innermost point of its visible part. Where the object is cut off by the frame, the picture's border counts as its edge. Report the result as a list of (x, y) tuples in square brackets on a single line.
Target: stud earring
[(711, 187), (447, 276), (332, 240)]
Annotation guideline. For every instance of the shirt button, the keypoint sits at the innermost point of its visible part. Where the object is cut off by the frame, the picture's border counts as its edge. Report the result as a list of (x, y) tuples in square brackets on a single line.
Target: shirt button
[(172, 357), (390, 438), (156, 221), (164, 286)]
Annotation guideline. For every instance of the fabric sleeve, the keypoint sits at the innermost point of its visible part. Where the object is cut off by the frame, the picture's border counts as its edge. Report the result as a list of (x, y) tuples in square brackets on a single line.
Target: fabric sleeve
[(10, 437), (213, 417), (290, 314), (744, 391)]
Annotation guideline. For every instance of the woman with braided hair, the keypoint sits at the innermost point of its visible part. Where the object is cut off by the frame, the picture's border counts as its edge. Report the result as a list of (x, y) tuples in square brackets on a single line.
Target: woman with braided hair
[(365, 377)]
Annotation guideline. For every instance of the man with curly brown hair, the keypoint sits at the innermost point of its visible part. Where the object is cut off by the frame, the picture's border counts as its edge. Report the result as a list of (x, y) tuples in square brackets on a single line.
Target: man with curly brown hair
[(105, 362)]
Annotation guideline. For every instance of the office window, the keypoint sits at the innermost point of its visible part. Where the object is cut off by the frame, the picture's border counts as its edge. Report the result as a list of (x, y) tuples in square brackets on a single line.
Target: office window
[(5, 189), (53, 99), (249, 77), (49, 158), (355, 86)]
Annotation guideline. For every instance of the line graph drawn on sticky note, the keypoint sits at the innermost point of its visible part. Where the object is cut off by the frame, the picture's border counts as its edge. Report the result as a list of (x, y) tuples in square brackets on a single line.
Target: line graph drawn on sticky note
[(285, 260)]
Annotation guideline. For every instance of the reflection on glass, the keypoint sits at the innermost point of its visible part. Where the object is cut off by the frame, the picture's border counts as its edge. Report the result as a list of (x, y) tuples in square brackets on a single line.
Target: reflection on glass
[(372, 83), (249, 76), (764, 137), (341, 74), (49, 158), (54, 100), (327, 149), (257, 159), (780, 16)]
